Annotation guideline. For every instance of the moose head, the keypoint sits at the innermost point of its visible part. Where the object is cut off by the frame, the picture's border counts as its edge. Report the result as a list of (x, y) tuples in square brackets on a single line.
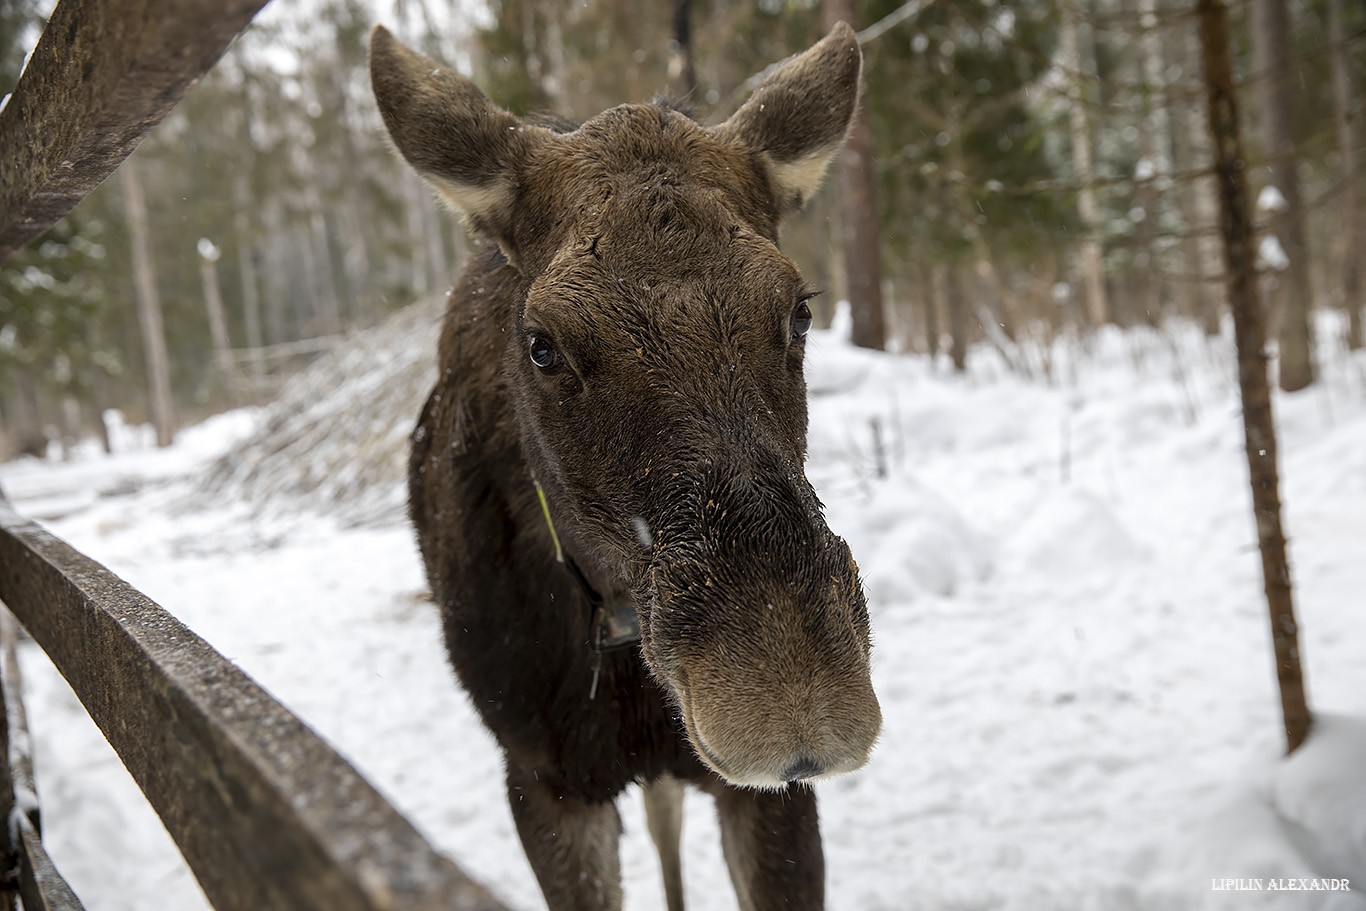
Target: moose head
[(653, 356)]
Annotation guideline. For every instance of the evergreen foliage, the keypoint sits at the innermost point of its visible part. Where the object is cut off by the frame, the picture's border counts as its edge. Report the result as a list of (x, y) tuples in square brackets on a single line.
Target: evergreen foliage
[(276, 158)]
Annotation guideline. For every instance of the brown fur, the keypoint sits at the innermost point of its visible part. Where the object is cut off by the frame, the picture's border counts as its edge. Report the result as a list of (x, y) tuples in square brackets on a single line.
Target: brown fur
[(642, 247)]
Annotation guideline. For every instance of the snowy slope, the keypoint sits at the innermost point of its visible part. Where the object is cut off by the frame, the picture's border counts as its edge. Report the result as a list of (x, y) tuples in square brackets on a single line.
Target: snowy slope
[(1071, 646)]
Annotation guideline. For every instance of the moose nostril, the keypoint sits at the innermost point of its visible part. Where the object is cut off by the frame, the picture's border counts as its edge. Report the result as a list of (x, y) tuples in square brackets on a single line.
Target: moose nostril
[(806, 767)]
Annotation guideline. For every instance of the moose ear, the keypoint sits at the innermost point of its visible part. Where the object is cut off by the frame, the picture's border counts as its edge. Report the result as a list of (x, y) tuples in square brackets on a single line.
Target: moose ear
[(800, 112), (466, 146)]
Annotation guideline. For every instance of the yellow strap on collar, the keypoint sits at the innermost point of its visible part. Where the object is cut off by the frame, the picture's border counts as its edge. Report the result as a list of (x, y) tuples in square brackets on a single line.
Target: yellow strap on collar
[(545, 511)]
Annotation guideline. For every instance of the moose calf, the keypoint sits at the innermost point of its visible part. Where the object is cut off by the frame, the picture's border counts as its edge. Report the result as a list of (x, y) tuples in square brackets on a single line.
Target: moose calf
[(634, 575)]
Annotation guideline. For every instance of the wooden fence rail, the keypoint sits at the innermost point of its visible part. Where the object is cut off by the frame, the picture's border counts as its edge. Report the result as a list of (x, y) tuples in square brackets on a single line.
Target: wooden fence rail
[(34, 882), (104, 73), (266, 815)]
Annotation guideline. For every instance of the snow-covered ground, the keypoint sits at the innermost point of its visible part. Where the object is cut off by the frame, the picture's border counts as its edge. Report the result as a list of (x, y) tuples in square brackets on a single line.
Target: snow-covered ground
[(1071, 650)]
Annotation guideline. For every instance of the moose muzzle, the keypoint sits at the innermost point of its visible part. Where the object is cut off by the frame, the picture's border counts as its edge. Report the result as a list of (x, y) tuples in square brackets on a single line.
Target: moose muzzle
[(756, 622)]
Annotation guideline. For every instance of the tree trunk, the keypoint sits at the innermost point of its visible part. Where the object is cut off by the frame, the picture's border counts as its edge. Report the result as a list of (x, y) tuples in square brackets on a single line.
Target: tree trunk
[(304, 282), (276, 279), (1097, 306), (1271, 51), (329, 311), (1203, 200), (415, 224), (722, 73), (682, 71), (149, 305), (70, 411), (24, 417), (931, 298), (1343, 109), (1258, 426), (247, 272), (218, 324), (957, 312), (438, 259), (1155, 149), (251, 311), (98, 405), (356, 258), (861, 235)]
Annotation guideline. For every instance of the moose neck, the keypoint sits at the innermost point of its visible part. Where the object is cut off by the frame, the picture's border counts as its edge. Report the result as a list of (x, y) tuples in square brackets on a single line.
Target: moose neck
[(612, 621)]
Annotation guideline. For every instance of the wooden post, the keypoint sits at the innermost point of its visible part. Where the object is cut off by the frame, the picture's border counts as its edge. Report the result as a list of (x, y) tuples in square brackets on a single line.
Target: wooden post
[(1259, 428)]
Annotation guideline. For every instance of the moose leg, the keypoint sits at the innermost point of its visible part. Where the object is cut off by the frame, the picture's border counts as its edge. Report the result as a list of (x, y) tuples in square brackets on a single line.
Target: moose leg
[(571, 844), (664, 818), (772, 843)]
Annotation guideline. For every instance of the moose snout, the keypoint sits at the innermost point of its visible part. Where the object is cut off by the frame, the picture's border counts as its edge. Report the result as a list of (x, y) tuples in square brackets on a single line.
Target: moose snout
[(761, 727), (757, 623), (802, 769)]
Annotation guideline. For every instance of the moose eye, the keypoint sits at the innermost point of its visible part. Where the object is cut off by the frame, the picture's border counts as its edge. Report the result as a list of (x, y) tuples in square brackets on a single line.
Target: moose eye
[(801, 321), (543, 354)]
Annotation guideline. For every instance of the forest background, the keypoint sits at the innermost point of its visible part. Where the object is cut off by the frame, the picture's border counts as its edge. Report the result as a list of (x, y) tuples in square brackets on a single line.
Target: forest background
[(1029, 170)]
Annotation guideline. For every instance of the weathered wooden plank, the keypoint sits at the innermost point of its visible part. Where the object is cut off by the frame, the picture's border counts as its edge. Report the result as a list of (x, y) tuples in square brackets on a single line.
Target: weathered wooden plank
[(9, 895), (22, 794), (40, 885), (35, 878), (104, 73), (265, 813)]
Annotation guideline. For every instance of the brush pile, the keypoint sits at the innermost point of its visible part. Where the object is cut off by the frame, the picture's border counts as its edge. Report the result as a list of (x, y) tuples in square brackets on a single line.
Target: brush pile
[(335, 442)]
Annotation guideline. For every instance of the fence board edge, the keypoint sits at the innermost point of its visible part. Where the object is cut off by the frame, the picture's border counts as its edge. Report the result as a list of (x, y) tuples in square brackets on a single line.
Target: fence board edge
[(41, 887)]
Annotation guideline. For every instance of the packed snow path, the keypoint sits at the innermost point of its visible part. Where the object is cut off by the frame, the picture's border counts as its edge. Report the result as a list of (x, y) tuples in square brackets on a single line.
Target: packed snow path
[(1070, 643)]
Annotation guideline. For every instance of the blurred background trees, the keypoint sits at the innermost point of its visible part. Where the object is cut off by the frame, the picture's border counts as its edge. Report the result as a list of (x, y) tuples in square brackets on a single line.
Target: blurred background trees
[(1038, 169)]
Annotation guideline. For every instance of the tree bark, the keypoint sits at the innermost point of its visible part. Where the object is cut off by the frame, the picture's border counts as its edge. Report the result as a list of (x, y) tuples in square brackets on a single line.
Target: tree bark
[(1343, 108), (931, 298), (1155, 149), (149, 305), (1097, 306), (329, 307), (98, 405), (1271, 51), (246, 267), (957, 312), (861, 234), (356, 256), (1203, 202), (275, 280), (251, 310), (682, 71), (438, 259), (218, 324), (1258, 425), (24, 417)]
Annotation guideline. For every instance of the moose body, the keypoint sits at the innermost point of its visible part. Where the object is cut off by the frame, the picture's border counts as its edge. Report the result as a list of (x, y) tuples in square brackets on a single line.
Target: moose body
[(620, 419)]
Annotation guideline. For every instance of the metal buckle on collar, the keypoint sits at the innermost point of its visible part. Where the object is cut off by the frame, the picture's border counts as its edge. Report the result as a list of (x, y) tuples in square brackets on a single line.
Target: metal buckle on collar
[(615, 626)]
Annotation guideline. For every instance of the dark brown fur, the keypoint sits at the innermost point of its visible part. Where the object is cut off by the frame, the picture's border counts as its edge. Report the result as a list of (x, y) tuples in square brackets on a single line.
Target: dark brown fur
[(643, 248)]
